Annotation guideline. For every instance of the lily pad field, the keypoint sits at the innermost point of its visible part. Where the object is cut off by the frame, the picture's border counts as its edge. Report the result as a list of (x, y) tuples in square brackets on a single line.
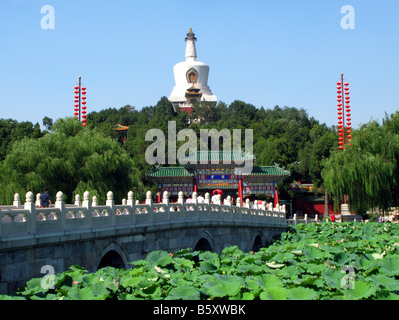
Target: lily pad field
[(326, 261)]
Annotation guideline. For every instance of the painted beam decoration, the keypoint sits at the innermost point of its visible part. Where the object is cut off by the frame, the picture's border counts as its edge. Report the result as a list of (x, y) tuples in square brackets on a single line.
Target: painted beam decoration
[(216, 178), (175, 188), (260, 188)]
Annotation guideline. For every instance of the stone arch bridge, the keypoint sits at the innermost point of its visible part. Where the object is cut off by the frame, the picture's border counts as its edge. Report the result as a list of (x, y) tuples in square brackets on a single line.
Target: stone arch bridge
[(95, 236)]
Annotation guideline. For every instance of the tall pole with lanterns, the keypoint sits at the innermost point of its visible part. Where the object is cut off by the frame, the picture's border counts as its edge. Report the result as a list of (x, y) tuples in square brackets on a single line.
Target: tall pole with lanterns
[(80, 103), (343, 99)]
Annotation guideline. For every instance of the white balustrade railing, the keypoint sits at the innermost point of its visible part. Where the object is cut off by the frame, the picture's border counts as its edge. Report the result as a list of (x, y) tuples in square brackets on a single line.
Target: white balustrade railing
[(305, 220), (29, 219)]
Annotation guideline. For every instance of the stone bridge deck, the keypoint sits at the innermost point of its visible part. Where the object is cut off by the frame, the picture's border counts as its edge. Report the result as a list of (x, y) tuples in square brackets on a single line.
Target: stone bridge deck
[(94, 236)]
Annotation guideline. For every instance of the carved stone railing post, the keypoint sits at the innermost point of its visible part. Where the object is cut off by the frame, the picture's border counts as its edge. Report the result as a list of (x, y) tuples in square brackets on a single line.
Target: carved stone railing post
[(60, 204), (59, 201), (194, 198), (38, 202), (111, 204), (148, 199), (131, 204), (94, 201), (207, 198), (110, 200), (228, 201), (238, 202), (17, 200), (124, 202), (30, 206), (86, 200), (78, 203), (130, 199), (87, 204), (165, 198), (306, 218), (180, 198), (247, 204)]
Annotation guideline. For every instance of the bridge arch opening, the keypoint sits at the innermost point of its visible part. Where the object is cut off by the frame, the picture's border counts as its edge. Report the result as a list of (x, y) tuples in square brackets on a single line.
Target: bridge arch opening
[(203, 245), (112, 259), (257, 243)]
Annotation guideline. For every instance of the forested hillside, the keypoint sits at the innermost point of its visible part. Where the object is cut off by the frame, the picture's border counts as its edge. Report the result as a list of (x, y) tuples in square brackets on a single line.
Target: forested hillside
[(286, 136), (73, 159)]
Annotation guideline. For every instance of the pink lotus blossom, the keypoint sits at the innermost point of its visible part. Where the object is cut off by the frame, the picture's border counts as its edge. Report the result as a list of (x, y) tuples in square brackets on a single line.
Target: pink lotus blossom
[(75, 283)]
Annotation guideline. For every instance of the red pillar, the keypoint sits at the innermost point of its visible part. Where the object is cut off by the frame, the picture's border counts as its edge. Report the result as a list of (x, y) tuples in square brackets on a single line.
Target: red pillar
[(159, 195), (240, 189), (195, 185), (276, 200)]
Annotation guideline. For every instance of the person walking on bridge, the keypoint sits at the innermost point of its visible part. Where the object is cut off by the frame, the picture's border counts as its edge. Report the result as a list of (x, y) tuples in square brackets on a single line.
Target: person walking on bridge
[(45, 199)]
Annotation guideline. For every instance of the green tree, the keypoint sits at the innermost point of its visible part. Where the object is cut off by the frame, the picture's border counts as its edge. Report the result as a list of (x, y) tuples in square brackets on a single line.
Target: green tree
[(71, 159), (48, 123), (367, 171), (12, 130)]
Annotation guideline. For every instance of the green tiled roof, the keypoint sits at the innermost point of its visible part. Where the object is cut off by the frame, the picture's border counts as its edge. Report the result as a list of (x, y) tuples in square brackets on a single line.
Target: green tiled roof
[(164, 172), (231, 155), (269, 171)]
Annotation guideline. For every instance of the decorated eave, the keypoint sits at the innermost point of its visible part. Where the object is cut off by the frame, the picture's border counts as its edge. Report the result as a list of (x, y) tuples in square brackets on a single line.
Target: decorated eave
[(119, 127), (194, 89), (169, 172), (181, 172), (269, 171)]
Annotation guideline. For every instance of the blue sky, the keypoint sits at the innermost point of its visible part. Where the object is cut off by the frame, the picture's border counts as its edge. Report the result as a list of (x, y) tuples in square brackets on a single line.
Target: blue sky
[(267, 53)]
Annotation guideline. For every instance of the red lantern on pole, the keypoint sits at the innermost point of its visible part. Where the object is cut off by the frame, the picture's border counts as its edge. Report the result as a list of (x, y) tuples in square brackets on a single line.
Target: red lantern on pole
[(79, 96), (343, 98)]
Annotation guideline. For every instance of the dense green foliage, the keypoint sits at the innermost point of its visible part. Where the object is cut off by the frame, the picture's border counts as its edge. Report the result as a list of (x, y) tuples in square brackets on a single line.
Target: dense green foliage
[(284, 136), (71, 159), (11, 131), (367, 171), (348, 261)]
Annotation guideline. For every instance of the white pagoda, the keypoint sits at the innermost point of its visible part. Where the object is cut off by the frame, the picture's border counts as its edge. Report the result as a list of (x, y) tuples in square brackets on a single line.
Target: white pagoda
[(191, 79)]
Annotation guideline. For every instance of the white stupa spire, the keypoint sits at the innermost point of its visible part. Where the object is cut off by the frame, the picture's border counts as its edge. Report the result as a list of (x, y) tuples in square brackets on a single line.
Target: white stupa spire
[(191, 51), (191, 78)]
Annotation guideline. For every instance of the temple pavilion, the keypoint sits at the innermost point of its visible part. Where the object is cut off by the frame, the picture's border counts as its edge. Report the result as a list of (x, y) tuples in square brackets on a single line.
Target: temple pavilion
[(206, 171), (122, 131)]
